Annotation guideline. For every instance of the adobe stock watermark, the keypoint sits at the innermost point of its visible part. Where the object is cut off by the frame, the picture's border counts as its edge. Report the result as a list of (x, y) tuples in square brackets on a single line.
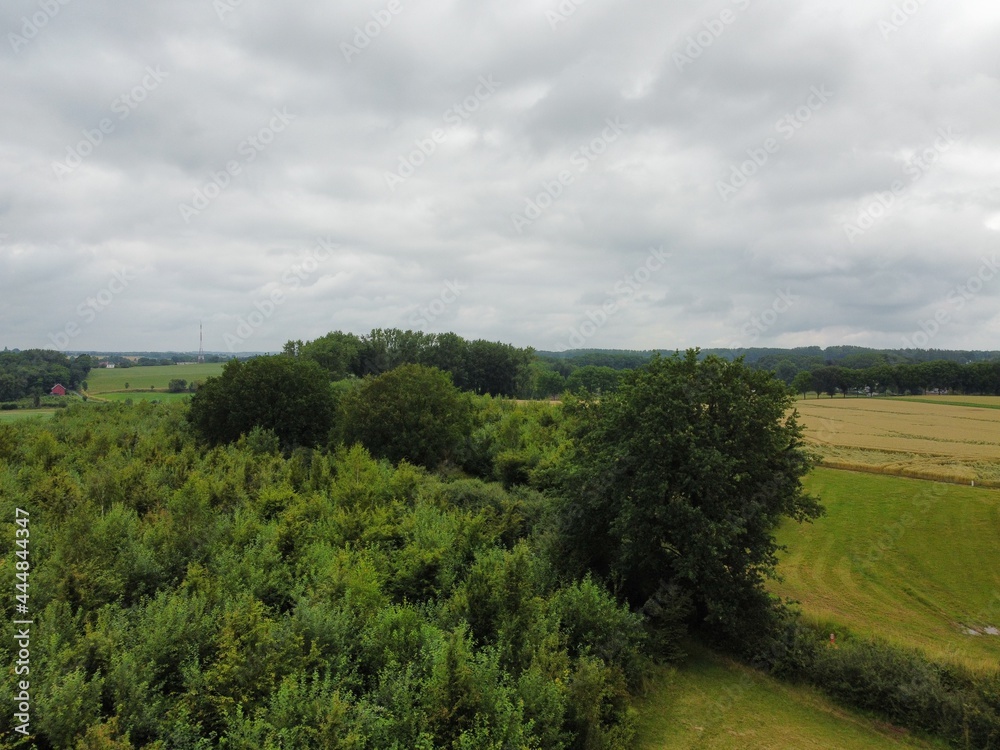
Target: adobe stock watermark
[(702, 40), (88, 310), (31, 26), (250, 148), (623, 294), (427, 314), (884, 201), (224, 7), (123, 106), (756, 325), (293, 278), (900, 16), (453, 117), (958, 297), (787, 126), (581, 158), (563, 12), (363, 35)]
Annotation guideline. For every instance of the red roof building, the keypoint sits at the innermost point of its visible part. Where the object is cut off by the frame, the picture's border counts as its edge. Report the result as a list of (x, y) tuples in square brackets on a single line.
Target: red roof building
[(57, 390)]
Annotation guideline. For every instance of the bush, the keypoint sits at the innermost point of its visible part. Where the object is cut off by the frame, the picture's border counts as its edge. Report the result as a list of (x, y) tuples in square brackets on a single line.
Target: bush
[(289, 396), (902, 685), (413, 413)]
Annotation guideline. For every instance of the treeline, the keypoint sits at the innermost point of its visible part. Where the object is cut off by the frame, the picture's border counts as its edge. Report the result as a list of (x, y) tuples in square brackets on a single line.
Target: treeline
[(594, 371), (840, 368), (33, 372), (483, 367), (853, 357), (155, 359), (123, 362), (975, 378)]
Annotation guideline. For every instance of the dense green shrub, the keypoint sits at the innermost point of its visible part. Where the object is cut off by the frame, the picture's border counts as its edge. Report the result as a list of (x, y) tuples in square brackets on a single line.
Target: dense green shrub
[(243, 597), (289, 396), (900, 684), (412, 412)]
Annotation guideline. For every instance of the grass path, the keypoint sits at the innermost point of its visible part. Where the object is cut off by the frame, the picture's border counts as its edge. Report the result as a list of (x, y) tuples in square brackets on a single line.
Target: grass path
[(713, 703)]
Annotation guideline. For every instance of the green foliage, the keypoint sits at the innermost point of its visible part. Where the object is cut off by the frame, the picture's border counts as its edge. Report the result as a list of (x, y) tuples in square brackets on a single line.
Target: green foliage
[(593, 379), (35, 371), (681, 476), (803, 382), (241, 597), (289, 396), (479, 366), (413, 413)]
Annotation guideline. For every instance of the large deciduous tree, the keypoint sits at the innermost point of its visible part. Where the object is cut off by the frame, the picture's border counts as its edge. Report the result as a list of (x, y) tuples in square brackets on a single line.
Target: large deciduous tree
[(290, 396), (412, 412), (678, 481)]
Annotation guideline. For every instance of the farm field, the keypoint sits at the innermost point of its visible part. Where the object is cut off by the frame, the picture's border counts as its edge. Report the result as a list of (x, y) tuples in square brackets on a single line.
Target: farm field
[(713, 703), (912, 561), (983, 402), (10, 416), (133, 395), (102, 381), (946, 438)]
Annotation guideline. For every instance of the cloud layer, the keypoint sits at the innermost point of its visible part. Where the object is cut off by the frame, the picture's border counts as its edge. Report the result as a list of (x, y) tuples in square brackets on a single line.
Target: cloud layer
[(553, 174)]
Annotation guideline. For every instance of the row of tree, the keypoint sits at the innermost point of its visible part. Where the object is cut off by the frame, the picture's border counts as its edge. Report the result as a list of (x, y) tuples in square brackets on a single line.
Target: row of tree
[(33, 372), (479, 366), (982, 378)]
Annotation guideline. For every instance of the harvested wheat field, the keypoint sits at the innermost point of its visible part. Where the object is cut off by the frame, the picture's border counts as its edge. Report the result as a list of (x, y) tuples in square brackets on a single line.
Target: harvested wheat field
[(954, 439)]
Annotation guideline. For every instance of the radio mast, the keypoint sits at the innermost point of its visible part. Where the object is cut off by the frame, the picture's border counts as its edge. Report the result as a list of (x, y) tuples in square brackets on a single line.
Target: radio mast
[(201, 345)]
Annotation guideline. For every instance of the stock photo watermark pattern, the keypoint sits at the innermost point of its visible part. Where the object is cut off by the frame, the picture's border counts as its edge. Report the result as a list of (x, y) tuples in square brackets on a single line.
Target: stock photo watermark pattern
[(249, 148), (291, 279), (553, 189), (623, 294)]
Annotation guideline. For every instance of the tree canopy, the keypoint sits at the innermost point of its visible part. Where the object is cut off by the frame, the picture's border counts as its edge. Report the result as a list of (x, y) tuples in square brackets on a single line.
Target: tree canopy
[(479, 366), (35, 371), (679, 478), (412, 412), (290, 396)]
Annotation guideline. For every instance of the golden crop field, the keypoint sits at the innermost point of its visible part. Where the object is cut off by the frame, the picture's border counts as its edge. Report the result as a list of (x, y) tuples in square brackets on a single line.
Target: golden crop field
[(948, 438)]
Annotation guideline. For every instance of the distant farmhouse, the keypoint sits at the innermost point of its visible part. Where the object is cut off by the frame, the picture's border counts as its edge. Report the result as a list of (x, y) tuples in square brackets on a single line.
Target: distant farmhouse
[(57, 390)]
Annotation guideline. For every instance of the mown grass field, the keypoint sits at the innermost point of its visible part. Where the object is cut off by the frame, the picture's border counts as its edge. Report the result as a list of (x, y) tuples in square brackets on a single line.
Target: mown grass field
[(912, 561), (947, 438), (10, 416), (102, 381), (713, 703), (133, 395)]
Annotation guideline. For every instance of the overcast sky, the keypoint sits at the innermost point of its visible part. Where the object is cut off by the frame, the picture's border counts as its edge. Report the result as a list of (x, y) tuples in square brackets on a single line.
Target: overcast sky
[(604, 174)]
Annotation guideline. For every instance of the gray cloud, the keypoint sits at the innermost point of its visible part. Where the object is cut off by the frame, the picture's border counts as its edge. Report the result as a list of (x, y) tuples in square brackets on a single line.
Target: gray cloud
[(150, 108)]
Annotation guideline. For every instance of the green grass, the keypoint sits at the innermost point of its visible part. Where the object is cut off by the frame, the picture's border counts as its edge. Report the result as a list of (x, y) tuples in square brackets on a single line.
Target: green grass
[(10, 416), (133, 395), (101, 381), (986, 402), (912, 561), (713, 703)]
